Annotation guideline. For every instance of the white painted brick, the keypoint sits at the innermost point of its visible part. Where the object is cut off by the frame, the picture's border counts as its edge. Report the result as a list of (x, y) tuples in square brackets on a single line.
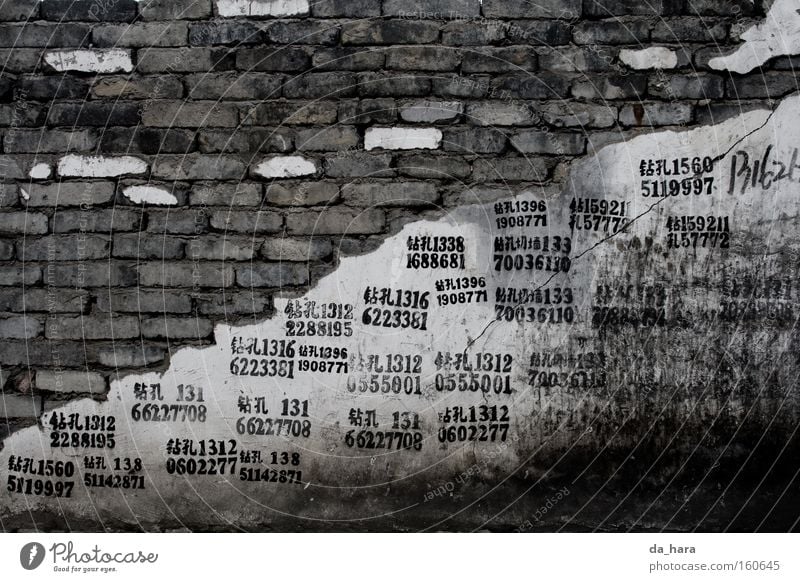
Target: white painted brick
[(41, 171), (150, 195), (70, 381), (90, 60), (100, 166), (286, 167), (650, 58), (262, 7), (402, 138)]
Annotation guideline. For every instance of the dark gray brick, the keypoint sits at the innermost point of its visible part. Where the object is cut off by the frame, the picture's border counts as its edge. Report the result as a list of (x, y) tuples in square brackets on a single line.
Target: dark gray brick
[(175, 9), (372, 32), (235, 32), (286, 59), (345, 8), (317, 85), (380, 84), (423, 58), (359, 165), (234, 86), (348, 59), (90, 10), (276, 275), (473, 140)]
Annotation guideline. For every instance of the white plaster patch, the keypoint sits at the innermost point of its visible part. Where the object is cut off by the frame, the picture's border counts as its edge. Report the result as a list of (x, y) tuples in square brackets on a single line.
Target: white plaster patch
[(24, 193), (150, 195), (402, 138), (99, 166), (40, 172), (778, 35), (286, 167), (262, 7), (650, 58), (90, 60)]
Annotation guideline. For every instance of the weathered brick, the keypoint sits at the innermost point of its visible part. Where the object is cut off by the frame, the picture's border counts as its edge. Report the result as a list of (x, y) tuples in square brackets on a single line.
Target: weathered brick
[(20, 274), (253, 222), (336, 220), (423, 58), (6, 250), (26, 10), (468, 33), (234, 86), (70, 382), (381, 84), (317, 85), (233, 32), (538, 32), (372, 32), (20, 60), (286, 59), (472, 86), (93, 114), (540, 86), (612, 32), (345, 8), (689, 30), (146, 140), (136, 355), (296, 249), (696, 86), (500, 113), (712, 8), (247, 140), (186, 275), (390, 194), (28, 223), (89, 10), (347, 59), (184, 60), (491, 60), (90, 327), (302, 32), (302, 194), (155, 87), (66, 34), (49, 300), (176, 327), (222, 194), (190, 114), (295, 113), (473, 140), (617, 87), (571, 114), (143, 301), (48, 88), (436, 167), (13, 168), (147, 245), (104, 220), (367, 111), (175, 9), (577, 59), (173, 222), (769, 85), (437, 9), (49, 141), (510, 169), (64, 248), (198, 167), (62, 194), (20, 327), (609, 8), (656, 114), (431, 111), (141, 34), (546, 142), (224, 248), (257, 304), (565, 9), (276, 275), (327, 139), (28, 406)]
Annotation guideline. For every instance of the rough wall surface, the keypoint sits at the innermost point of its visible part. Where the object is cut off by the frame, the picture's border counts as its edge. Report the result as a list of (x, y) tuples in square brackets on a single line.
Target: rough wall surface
[(364, 265)]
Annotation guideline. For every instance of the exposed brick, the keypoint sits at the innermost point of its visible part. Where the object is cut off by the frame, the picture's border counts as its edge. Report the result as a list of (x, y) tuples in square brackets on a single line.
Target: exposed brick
[(348, 59), (286, 59), (172, 222), (491, 60), (96, 221), (190, 114), (235, 32), (146, 140), (257, 304), (471, 86), (617, 87), (423, 58), (697, 86), (198, 167), (577, 59), (20, 60), (510, 169), (64, 248), (175, 9), (318, 85), (20, 275), (221, 248), (244, 140), (390, 194), (571, 114), (609, 8), (544, 142), (278, 275), (61, 194), (141, 34), (327, 139), (137, 355), (656, 114), (296, 249), (689, 30), (500, 113), (89, 327), (143, 301), (345, 8), (176, 327), (90, 10), (253, 222), (431, 111), (432, 166), (28, 223), (70, 382), (28, 406), (66, 34), (302, 194), (93, 114), (34, 299), (473, 140), (24, 10), (540, 86), (296, 113), (155, 87), (147, 245), (437, 9), (468, 33), (380, 84), (359, 165), (368, 111), (49, 141), (566, 9), (184, 60), (20, 327), (302, 32), (768, 85), (336, 220), (186, 275), (48, 88), (538, 32), (612, 32), (372, 32), (221, 194)]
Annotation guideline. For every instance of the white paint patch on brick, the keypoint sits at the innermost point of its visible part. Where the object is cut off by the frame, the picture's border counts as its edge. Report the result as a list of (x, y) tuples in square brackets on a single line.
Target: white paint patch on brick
[(778, 35), (401, 138), (262, 7), (99, 166), (24, 193), (90, 60), (41, 171), (150, 195), (286, 167), (650, 58)]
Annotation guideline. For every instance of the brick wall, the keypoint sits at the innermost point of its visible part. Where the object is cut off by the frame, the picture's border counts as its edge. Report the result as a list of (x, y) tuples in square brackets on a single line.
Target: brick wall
[(170, 164)]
